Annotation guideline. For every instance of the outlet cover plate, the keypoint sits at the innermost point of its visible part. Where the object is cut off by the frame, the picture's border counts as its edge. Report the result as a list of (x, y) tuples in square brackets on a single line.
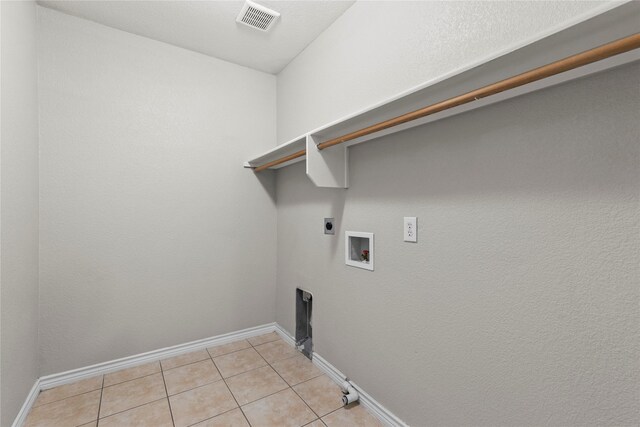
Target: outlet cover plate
[(410, 229)]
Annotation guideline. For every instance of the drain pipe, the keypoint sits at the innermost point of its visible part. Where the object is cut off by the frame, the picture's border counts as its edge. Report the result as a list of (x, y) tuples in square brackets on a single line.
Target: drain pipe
[(350, 394)]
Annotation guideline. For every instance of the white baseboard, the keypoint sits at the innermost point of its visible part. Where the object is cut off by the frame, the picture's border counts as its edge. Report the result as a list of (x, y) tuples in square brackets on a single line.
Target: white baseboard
[(373, 406), (331, 371), (55, 380), (26, 406), (285, 335)]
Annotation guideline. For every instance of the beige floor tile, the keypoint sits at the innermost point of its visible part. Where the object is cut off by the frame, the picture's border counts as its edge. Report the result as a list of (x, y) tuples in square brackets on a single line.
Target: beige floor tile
[(233, 418), (321, 394), (276, 350), (296, 369), (354, 415), (238, 362), (316, 423), (201, 403), (154, 414), (255, 384), (184, 359), (261, 339), (131, 373), (127, 395), (219, 350), (190, 376), (91, 424), (68, 390), (282, 409), (72, 411)]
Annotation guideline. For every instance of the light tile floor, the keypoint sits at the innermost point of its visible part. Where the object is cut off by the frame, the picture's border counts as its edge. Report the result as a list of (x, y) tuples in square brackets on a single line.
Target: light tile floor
[(262, 381)]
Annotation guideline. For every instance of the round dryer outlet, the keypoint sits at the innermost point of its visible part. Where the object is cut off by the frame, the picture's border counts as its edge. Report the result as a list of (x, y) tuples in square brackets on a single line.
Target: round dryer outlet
[(329, 226)]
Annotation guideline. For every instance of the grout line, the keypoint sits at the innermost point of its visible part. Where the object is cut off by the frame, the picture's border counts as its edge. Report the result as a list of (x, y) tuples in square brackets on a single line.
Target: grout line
[(248, 370), (231, 352), (197, 386), (270, 342), (306, 381), (165, 384), (210, 418), (266, 342), (291, 357), (284, 358), (133, 407), (265, 360), (302, 382), (186, 364), (265, 396), (200, 386), (267, 364), (216, 367), (235, 400), (100, 402), (167, 393), (132, 379), (303, 401), (64, 398), (277, 337), (193, 388), (252, 369), (342, 407)]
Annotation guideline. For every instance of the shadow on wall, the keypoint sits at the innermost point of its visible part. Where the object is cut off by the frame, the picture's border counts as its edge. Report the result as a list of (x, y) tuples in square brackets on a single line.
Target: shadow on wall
[(267, 180)]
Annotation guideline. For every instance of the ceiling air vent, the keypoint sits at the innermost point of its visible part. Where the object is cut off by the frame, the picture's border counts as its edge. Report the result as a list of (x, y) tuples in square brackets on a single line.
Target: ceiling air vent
[(256, 16)]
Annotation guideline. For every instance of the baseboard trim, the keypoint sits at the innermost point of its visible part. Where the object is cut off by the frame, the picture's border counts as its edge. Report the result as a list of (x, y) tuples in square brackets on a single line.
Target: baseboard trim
[(285, 335), (26, 406), (326, 367), (55, 380), (62, 378), (383, 414), (372, 405)]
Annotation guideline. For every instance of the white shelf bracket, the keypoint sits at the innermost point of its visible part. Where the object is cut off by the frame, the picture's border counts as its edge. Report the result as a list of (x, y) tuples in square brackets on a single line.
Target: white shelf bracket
[(327, 168)]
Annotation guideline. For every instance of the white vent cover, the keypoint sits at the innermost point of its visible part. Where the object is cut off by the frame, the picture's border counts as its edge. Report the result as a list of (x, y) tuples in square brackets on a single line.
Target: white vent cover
[(256, 16)]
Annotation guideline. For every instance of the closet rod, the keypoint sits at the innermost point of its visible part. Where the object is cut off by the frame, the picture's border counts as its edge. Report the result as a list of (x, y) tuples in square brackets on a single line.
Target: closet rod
[(596, 54), (284, 159), (605, 51)]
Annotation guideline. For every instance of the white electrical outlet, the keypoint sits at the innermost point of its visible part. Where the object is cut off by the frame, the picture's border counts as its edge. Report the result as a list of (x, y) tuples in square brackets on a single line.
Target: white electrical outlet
[(410, 229)]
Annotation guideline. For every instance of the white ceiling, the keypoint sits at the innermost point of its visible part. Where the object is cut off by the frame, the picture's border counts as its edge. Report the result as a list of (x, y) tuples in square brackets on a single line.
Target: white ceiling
[(210, 27)]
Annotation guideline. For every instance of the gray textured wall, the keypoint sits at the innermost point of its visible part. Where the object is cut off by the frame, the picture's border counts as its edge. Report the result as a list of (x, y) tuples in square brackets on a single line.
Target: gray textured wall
[(379, 49), (519, 305), (152, 233), (19, 211)]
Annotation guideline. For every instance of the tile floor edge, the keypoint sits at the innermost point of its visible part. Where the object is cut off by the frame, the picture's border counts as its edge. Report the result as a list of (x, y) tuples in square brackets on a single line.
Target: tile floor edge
[(54, 380)]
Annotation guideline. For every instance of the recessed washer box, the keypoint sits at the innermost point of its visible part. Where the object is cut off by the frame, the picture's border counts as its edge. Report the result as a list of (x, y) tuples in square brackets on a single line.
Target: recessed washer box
[(359, 249)]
